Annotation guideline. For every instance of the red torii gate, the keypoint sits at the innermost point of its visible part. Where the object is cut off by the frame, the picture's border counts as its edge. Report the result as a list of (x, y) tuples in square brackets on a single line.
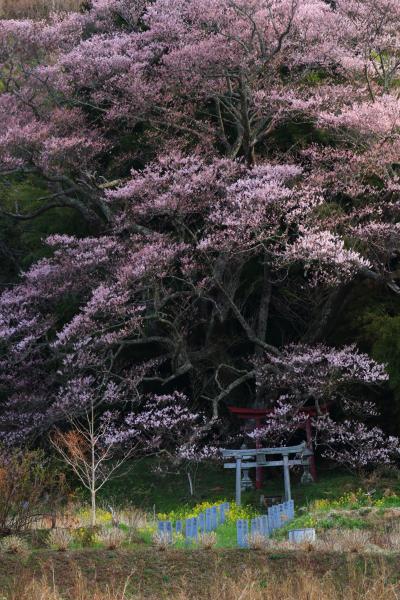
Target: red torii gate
[(258, 414)]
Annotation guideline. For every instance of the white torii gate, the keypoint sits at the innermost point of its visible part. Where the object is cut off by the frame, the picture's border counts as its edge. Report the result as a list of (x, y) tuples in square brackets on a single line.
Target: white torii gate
[(302, 457)]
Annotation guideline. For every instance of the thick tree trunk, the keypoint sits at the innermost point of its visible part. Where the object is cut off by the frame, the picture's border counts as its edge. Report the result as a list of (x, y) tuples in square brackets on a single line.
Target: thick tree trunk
[(262, 326), (248, 142), (263, 312)]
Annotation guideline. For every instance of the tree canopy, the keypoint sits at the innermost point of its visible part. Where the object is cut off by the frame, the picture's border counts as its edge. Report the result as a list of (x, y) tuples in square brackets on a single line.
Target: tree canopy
[(228, 171)]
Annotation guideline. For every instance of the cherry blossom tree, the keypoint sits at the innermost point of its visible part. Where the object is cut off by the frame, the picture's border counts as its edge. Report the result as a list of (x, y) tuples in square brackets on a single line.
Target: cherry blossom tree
[(235, 163), (322, 378), (165, 425), (355, 445)]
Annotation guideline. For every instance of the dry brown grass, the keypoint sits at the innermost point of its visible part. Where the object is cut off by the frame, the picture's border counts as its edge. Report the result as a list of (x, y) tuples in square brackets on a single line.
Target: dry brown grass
[(302, 586), (13, 544), (207, 540), (132, 517), (112, 538), (258, 542), (46, 589), (35, 9), (297, 585), (60, 539), (356, 541), (161, 540)]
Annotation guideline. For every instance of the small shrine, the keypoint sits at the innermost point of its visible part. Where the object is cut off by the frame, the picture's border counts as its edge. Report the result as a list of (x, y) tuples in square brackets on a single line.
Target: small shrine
[(257, 415), (247, 458)]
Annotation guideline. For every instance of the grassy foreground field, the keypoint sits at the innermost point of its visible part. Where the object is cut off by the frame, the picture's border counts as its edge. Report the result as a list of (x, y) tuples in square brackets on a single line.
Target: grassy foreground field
[(233, 574), (356, 556)]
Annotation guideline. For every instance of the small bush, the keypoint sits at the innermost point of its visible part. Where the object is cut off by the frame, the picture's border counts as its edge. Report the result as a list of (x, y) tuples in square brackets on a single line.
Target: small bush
[(13, 544), (60, 539), (393, 541), (132, 517), (258, 542), (347, 540), (29, 486), (85, 536), (207, 540), (161, 541), (179, 540), (112, 537)]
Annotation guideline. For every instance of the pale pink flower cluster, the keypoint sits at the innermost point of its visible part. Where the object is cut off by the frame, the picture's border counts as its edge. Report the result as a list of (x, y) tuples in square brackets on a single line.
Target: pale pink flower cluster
[(325, 258), (316, 372), (354, 445)]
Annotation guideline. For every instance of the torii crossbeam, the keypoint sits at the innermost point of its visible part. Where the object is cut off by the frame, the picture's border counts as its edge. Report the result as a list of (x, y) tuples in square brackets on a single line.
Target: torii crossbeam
[(244, 459)]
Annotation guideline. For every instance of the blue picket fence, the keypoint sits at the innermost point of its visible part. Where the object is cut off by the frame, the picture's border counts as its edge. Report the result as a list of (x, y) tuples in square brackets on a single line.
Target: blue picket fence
[(278, 515), (191, 528), (264, 525)]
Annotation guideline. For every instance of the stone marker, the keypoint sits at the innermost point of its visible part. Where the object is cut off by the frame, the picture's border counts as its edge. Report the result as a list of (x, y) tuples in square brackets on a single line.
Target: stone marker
[(297, 536)]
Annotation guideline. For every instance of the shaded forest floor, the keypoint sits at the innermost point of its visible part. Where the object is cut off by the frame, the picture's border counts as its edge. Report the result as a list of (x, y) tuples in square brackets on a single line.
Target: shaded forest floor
[(143, 486)]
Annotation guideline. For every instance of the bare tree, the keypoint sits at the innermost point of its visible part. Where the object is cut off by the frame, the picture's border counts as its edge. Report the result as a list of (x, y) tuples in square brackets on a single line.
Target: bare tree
[(90, 450)]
